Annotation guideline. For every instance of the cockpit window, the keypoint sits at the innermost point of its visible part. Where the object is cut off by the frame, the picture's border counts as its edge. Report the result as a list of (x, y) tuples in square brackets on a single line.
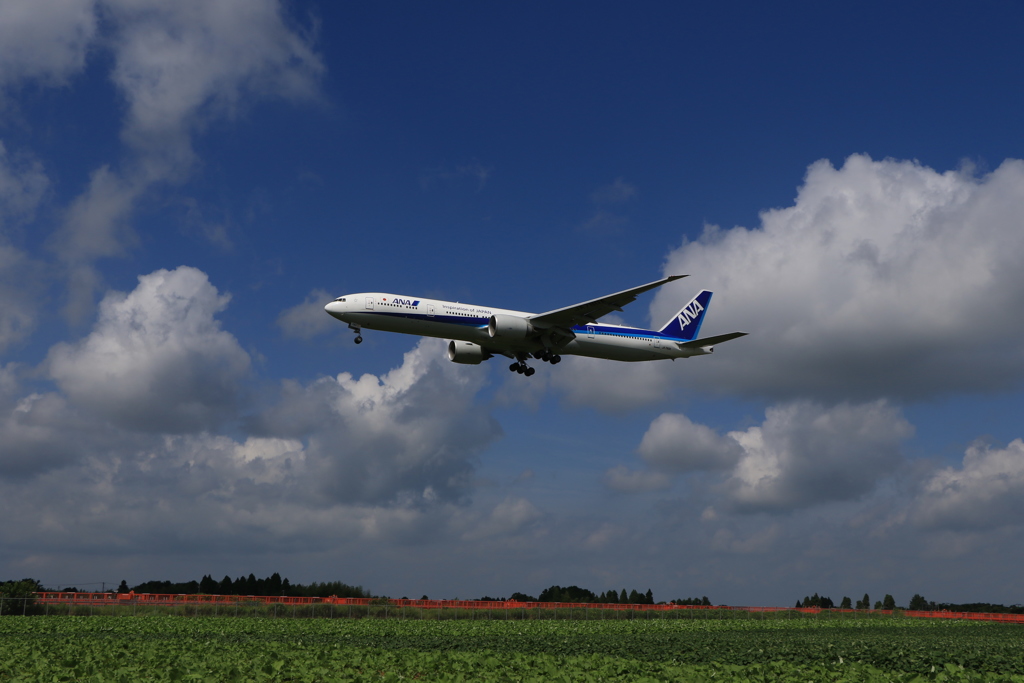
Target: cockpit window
[(341, 299)]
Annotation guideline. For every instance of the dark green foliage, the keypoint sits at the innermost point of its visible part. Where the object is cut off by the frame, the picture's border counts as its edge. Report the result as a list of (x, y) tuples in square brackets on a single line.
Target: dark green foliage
[(919, 603), (265, 649), (700, 601), (16, 597), (567, 594), (977, 607), (864, 603), (520, 597), (888, 602), (846, 603), (816, 601), (123, 587), (250, 585)]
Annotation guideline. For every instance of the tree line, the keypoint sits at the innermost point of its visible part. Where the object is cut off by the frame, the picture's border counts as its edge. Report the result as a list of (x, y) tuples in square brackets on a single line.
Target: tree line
[(917, 603), (585, 595), (250, 585), (886, 603)]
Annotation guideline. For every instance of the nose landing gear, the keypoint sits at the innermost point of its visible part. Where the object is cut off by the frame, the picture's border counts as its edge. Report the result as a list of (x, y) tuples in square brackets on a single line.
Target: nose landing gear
[(358, 330)]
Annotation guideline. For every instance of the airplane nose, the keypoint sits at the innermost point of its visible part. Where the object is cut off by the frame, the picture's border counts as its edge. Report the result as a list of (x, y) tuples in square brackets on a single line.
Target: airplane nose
[(335, 308)]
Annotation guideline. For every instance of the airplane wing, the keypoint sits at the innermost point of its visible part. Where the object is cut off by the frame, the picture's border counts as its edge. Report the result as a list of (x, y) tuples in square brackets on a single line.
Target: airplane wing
[(710, 341), (590, 311)]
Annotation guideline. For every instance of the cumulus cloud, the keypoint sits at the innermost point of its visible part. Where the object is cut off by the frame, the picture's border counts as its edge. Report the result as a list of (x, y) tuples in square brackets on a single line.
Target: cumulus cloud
[(46, 41), (411, 434), (308, 319), (156, 360), (804, 454), (986, 492), (674, 443), (885, 278), (181, 64)]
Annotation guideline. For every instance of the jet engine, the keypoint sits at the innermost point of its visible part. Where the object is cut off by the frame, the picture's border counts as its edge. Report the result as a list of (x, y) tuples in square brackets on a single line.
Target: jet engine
[(509, 327), (466, 353)]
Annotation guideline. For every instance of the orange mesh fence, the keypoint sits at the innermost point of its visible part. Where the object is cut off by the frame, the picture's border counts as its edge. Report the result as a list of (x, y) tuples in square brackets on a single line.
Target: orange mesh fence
[(51, 597)]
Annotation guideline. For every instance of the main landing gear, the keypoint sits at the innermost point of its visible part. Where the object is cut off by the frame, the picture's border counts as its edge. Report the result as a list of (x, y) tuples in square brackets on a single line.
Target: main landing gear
[(358, 330), (522, 368), (547, 355)]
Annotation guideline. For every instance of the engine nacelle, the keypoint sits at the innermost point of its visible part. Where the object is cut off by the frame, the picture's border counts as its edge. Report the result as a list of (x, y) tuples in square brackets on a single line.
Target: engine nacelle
[(509, 327), (466, 353)]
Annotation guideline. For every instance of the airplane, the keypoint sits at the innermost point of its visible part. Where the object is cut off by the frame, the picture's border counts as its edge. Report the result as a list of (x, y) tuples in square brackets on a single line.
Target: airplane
[(478, 333)]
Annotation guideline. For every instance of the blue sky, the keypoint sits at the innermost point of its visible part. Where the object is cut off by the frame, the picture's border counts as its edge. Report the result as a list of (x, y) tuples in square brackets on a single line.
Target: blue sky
[(183, 186)]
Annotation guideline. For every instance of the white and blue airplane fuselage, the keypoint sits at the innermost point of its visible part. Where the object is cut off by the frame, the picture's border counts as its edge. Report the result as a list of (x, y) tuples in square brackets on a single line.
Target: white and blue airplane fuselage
[(477, 333)]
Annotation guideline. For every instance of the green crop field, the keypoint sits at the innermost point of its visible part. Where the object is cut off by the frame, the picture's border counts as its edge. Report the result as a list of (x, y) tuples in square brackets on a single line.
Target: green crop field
[(169, 648)]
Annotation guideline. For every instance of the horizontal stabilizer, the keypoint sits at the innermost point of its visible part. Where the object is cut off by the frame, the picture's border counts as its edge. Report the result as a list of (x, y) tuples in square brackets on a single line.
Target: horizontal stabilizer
[(710, 341)]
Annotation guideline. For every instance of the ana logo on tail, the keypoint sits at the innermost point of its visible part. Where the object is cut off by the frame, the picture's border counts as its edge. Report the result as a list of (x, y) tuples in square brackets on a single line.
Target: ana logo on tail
[(690, 313)]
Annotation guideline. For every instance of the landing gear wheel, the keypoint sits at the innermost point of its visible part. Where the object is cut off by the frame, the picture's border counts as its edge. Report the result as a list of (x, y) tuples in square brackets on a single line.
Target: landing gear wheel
[(359, 340), (556, 359), (529, 372), (514, 367)]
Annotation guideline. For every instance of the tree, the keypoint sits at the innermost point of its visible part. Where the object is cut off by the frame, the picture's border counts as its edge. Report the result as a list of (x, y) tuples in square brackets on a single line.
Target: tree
[(846, 603), (864, 603), (623, 598), (918, 603), (649, 597), (17, 597), (888, 602), (123, 587), (878, 604), (634, 597), (208, 585)]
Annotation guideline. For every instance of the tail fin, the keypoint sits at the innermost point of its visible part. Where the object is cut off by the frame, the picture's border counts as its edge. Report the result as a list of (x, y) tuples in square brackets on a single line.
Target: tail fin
[(686, 323)]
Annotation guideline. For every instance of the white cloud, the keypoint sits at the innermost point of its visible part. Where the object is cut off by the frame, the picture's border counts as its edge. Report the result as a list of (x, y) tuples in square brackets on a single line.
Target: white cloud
[(804, 454), (674, 443), (157, 360), (411, 434), (180, 64), (884, 278), (308, 319), (47, 40), (986, 492)]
